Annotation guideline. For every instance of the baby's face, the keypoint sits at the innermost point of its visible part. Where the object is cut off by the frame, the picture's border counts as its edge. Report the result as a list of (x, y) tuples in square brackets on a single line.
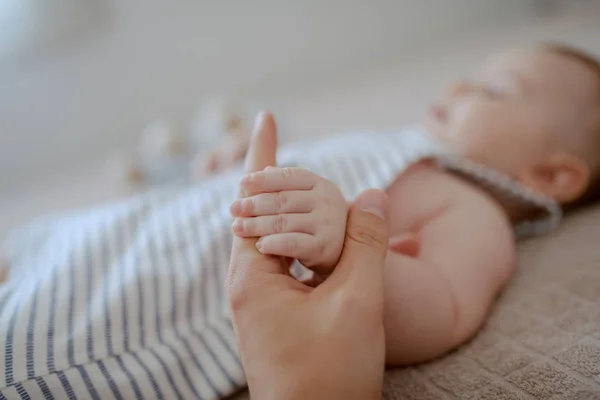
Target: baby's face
[(520, 109)]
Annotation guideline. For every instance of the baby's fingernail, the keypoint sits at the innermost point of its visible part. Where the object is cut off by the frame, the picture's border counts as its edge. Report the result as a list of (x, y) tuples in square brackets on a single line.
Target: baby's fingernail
[(259, 245), (238, 226), (236, 208)]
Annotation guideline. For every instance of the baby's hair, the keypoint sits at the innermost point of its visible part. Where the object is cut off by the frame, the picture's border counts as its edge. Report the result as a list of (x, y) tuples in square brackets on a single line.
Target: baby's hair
[(592, 194)]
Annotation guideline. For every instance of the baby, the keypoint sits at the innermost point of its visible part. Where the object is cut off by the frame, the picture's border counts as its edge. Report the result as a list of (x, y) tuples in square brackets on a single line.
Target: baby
[(126, 300), (533, 115)]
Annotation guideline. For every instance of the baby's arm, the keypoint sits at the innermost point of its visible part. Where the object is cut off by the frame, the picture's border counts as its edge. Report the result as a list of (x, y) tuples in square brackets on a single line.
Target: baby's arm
[(296, 214), (439, 299)]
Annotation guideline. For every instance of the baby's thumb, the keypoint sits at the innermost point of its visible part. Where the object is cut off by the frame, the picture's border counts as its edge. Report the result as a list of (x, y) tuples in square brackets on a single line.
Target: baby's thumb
[(366, 242)]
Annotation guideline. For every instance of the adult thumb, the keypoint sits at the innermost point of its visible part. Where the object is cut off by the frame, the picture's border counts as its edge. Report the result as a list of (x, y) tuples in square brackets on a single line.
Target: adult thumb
[(366, 243)]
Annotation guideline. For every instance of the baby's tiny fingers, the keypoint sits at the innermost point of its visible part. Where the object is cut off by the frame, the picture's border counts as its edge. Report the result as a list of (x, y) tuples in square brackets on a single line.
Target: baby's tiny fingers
[(278, 179), (294, 201), (292, 245), (274, 224)]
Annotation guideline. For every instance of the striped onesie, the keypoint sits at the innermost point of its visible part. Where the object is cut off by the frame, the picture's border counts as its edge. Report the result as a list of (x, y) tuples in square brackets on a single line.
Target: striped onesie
[(127, 301)]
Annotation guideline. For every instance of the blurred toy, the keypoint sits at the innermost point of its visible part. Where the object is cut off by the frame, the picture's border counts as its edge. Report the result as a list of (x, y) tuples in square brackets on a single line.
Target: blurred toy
[(158, 158), (214, 119), (220, 140), (165, 154)]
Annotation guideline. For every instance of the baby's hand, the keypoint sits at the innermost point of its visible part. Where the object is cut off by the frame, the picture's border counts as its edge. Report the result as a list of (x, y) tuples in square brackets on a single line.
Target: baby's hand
[(296, 214)]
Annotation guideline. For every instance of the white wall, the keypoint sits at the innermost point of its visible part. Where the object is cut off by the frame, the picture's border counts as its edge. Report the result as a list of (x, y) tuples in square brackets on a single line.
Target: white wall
[(149, 58), (399, 92)]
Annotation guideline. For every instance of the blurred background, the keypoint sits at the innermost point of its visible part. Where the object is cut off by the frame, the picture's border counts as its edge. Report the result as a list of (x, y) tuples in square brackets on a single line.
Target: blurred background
[(90, 89)]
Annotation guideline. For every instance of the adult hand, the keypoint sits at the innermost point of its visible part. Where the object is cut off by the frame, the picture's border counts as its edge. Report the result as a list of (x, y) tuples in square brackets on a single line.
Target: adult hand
[(299, 342)]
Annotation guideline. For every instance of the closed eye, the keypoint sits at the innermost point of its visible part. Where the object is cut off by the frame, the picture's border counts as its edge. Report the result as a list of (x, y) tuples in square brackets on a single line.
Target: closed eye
[(498, 89), (494, 91), (506, 85)]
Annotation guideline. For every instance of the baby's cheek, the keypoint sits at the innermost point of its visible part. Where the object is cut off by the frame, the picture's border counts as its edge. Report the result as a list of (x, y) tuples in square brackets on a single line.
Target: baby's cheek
[(476, 133)]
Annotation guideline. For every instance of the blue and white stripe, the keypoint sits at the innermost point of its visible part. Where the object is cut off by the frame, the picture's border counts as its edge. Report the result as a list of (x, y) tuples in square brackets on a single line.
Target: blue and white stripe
[(126, 301)]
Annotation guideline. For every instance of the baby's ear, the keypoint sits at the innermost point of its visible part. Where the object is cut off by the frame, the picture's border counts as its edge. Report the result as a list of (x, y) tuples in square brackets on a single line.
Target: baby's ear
[(563, 177)]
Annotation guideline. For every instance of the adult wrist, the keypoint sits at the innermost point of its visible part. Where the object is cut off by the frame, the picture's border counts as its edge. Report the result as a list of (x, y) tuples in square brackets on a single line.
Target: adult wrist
[(315, 384)]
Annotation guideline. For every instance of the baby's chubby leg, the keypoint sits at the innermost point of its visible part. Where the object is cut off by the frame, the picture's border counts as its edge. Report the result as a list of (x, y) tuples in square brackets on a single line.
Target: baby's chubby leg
[(296, 213)]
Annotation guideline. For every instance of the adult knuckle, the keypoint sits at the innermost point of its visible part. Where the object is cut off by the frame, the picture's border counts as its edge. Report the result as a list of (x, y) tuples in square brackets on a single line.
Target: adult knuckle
[(234, 289), (242, 283), (236, 298)]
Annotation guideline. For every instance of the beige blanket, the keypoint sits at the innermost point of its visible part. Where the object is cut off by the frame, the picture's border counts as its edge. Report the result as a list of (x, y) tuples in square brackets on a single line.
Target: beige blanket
[(542, 340)]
